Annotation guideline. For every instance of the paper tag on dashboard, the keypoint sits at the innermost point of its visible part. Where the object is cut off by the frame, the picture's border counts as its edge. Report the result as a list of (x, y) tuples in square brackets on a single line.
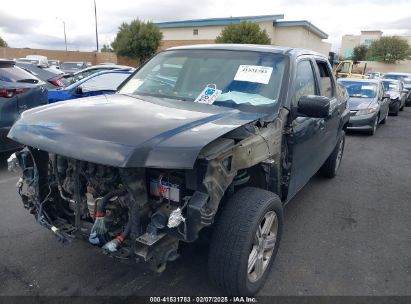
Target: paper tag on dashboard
[(208, 95), (254, 73)]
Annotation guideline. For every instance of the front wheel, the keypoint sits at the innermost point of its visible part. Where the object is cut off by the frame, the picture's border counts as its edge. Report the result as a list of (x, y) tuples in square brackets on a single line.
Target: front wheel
[(332, 164), (245, 241), (374, 126), (385, 119), (396, 109)]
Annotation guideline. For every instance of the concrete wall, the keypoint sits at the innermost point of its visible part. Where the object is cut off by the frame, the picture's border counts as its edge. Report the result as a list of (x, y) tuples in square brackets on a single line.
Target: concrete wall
[(300, 37), (93, 57), (204, 32), (186, 33), (367, 37), (348, 43), (403, 67), (165, 44), (296, 36)]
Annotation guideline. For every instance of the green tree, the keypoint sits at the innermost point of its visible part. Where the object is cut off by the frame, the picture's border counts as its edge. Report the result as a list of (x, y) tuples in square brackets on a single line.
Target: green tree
[(106, 48), (3, 43), (389, 50), (245, 32), (137, 40), (360, 53)]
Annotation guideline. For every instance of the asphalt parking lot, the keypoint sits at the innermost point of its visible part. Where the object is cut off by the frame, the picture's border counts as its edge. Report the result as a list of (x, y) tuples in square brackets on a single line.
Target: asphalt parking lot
[(346, 236)]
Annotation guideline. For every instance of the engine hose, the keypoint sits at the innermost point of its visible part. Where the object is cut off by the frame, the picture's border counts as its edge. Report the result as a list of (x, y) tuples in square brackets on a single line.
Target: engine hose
[(77, 198), (60, 188), (126, 230), (101, 208)]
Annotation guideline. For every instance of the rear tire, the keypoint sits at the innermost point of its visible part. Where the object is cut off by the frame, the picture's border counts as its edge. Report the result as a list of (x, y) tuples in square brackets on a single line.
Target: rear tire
[(330, 168), (245, 241)]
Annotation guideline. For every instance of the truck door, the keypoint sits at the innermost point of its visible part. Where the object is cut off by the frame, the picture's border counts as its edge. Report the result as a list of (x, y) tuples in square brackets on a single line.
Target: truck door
[(329, 136), (307, 132)]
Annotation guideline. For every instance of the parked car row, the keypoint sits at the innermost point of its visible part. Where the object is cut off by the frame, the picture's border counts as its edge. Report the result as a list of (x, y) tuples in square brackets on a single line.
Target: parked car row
[(372, 100), (69, 67), (27, 84)]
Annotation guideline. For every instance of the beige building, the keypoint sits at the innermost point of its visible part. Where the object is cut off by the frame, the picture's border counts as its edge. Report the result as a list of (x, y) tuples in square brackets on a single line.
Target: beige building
[(301, 34), (349, 42)]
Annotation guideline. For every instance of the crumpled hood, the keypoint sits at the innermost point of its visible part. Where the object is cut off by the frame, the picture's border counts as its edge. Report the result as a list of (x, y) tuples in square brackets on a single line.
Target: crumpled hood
[(125, 131), (355, 103), (393, 94)]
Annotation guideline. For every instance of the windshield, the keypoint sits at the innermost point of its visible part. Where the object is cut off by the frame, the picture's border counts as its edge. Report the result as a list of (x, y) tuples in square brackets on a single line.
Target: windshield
[(360, 89), (390, 86), (227, 78)]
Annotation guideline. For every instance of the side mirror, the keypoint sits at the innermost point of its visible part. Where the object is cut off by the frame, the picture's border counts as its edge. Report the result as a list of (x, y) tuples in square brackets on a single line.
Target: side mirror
[(79, 90), (404, 91), (386, 95), (314, 106)]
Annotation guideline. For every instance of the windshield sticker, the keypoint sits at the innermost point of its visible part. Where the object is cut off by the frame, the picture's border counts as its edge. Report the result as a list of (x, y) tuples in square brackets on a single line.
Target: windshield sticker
[(367, 87), (254, 73), (208, 95)]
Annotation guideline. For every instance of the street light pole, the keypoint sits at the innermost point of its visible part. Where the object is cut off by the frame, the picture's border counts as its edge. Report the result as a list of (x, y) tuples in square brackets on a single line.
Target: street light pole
[(64, 28), (95, 17)]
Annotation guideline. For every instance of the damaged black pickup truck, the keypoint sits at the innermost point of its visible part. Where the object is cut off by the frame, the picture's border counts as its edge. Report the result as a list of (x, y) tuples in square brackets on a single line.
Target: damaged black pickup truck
[(218, 136)]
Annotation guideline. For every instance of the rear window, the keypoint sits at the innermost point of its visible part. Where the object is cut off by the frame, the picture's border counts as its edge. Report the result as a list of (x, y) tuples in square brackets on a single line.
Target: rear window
[(11, 73), (72, 65)]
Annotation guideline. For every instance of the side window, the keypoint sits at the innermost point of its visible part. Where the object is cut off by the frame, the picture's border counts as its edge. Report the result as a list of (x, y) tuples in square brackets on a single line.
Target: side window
[(304, 81), (106, 82), (345, 68), (327, 84)]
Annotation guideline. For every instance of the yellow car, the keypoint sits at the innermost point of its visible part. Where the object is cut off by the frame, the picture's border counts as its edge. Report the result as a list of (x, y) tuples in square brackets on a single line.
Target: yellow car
[(351, 69)]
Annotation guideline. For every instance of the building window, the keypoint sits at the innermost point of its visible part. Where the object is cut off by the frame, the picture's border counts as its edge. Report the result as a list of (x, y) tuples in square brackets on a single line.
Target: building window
[(195, 32)]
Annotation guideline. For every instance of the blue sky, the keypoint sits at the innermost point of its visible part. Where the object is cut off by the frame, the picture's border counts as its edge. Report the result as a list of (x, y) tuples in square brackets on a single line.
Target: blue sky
[(34, 24)]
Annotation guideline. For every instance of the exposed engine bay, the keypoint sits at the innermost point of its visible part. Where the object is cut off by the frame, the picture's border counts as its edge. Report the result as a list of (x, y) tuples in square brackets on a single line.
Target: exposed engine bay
[(146, 212)]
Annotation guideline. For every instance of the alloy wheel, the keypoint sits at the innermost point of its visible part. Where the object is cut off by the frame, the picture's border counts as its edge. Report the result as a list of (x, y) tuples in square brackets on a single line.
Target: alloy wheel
[(263, 246)]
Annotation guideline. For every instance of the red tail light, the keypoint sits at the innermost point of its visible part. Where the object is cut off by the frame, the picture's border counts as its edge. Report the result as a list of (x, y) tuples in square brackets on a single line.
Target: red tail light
[(9, 93), (57, 82)]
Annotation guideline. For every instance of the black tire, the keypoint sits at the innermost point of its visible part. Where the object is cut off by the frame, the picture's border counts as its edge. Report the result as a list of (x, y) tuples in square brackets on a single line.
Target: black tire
[(384, 120), (233, 238), (330, 168), (396, 109), (375, 126)]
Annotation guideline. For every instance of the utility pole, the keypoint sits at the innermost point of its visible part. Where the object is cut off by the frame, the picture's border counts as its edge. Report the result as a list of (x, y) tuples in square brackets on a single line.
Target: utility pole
[(64, 28), (95, 16)]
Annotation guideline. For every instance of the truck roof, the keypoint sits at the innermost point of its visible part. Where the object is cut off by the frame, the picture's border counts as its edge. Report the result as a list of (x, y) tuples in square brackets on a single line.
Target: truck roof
[(249, 47)]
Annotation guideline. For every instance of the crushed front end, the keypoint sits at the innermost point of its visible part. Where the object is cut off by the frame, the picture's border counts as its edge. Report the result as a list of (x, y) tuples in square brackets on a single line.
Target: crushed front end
[(127, 212), (145, 212)]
